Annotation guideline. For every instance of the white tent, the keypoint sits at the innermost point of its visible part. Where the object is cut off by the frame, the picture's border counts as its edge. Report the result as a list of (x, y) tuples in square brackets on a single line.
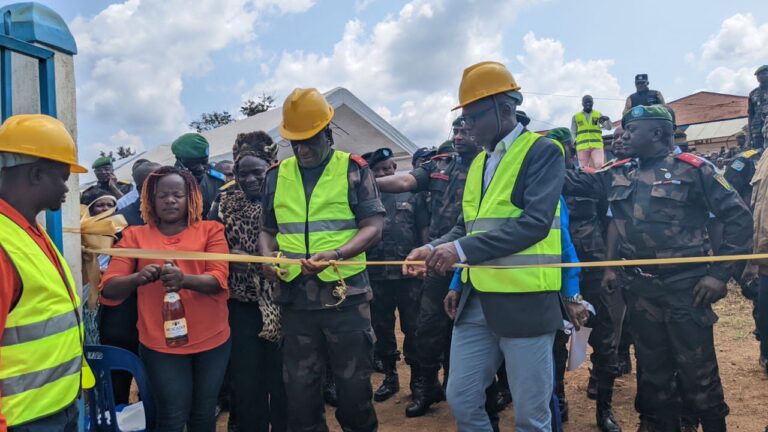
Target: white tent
[(356, 129)]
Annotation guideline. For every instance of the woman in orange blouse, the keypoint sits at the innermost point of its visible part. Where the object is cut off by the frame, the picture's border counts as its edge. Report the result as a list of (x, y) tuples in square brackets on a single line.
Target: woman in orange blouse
[(186, 379)]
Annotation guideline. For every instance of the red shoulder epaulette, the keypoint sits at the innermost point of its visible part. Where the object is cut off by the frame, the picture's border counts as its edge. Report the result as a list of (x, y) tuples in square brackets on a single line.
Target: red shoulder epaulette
[(441, 156), (273, 166), (362, 163), (620, 163), (691, 159)]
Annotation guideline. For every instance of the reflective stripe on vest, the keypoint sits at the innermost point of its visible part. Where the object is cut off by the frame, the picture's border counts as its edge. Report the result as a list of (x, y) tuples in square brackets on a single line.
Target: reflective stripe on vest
[(588, 133), (41, 348), (325, 223), (485, 212)]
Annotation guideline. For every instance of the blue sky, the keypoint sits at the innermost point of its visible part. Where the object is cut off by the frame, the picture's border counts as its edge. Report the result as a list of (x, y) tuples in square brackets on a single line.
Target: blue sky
[(148, 67)]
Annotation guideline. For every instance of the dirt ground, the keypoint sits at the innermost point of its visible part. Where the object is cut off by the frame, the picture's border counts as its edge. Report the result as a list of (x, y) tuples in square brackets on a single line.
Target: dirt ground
[(746, 387)]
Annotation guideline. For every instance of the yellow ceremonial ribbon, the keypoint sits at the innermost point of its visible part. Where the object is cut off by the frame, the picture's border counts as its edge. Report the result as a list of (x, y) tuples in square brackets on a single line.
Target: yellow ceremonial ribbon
[(210, 256)]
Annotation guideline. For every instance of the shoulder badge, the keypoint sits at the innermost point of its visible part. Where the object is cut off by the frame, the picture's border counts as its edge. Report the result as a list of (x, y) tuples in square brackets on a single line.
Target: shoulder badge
[(217, 175), (362, 163), (737, 165), (749, 153), (227, 185), (125, 182), (439, 176), (273, 166), (690, 159), (723, 182)]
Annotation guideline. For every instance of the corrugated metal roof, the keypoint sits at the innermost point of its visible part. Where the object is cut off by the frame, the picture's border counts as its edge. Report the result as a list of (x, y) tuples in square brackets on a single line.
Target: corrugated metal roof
[(716, 129)]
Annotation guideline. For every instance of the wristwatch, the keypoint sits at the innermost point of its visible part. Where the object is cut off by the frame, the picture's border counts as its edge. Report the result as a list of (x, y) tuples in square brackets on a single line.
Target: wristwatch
[(339, 255), (573, 299)]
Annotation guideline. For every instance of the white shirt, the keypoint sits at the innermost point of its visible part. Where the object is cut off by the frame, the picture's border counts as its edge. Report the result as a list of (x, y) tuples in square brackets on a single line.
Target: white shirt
[(128, 198)]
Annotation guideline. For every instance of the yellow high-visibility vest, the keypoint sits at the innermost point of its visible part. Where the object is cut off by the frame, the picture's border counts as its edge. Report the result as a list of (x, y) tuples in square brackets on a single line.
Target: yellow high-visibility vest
[(325, 223), (41, 354), (485, 212), (588, 133)]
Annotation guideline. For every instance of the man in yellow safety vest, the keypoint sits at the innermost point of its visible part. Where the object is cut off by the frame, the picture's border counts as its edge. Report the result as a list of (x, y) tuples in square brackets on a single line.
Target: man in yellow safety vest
[(322, 205), (42, 333), (586, 128)]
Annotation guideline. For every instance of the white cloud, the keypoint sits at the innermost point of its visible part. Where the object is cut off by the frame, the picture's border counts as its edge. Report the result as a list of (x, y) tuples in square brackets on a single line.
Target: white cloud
[(547, 77), (134, 56), (742, 44), (121, 138), (361, 5), (410, 62)]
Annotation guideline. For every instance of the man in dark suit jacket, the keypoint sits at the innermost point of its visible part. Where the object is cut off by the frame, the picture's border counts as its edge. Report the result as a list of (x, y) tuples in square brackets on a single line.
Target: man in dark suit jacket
[(498, 319)]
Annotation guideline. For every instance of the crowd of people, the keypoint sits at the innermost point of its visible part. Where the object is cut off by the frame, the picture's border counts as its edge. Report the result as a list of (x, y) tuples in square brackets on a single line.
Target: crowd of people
[(477, 221)]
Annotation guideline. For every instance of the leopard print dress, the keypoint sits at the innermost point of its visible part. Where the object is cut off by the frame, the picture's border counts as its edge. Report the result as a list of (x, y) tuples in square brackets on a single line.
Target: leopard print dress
[(242, 225)]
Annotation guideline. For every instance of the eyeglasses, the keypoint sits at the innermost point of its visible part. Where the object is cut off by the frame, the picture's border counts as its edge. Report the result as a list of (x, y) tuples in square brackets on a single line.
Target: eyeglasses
[(469, 120)]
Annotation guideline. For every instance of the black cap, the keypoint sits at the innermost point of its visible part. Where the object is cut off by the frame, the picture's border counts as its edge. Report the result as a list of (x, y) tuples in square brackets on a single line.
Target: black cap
[(423, 153), (641, 77), (379, 155)]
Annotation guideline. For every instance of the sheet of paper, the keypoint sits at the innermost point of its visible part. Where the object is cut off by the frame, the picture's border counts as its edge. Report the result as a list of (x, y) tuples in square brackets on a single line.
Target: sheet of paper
[(578, 349)]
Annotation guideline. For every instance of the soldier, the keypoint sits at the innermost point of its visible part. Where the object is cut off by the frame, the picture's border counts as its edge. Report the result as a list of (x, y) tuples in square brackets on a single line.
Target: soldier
[(740, 171), (392, 290), (660, 209), (191, 151), (758, 108), (423, 203), (106, 182), (322, 205), (643, 96), (444, 177)]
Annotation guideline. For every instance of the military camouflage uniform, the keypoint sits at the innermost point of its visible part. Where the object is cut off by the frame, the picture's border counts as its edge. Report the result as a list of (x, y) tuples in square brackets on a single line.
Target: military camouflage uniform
[(392, 290), (660, 210), (316, 336), (757, 111), (444, 177), (740, 171), (209, 188), (587, 228)]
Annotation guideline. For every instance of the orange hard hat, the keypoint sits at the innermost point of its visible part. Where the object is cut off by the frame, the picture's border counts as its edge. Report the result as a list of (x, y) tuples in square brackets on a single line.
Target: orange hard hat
[(305, 113), (485, 79), (41, 136)]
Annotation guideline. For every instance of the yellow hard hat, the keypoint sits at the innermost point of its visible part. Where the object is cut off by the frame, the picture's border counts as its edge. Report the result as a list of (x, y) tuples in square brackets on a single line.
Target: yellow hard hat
[(485, 79), (305, 113), (42, 136)]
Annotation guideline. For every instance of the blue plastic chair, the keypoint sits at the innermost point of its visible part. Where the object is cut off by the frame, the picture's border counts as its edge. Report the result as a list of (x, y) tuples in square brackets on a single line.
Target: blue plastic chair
[(103, 360)]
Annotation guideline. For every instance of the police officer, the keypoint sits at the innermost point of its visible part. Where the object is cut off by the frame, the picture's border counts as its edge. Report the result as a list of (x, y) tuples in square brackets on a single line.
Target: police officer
[(423, 203), (444, 177), (191, 151), (758, 108), (660, 210), (587, 226), (643, 96), (42, 349), (322, 205), (106, 182), (392, 290)]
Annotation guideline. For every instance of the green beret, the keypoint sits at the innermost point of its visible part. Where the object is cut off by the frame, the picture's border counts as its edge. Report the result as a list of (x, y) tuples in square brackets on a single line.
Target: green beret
[(561, 134), (102, 161), (190, 146), (762, 68), (651, 112)]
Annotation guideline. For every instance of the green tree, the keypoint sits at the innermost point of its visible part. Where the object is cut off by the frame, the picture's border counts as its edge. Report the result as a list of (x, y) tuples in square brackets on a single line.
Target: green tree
[(262, 103), (212, 120)]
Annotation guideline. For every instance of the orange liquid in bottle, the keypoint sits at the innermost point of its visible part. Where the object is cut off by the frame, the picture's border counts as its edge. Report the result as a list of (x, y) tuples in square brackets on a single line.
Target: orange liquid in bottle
[(174, 320)]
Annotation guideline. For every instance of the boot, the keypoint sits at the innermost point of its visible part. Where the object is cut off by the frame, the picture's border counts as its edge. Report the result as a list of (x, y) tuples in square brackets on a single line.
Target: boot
[(329, 390), (561, 401), (428, 392), (391, 383), (415, 376), (604, 416), (378, 364), (592, 386), (713, 424)]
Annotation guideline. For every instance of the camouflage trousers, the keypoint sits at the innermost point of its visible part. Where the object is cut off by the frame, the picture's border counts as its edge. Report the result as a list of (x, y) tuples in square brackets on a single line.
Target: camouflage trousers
[(340, 339), (388, 295), (606, 329), (674, 342), (433, 327)]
